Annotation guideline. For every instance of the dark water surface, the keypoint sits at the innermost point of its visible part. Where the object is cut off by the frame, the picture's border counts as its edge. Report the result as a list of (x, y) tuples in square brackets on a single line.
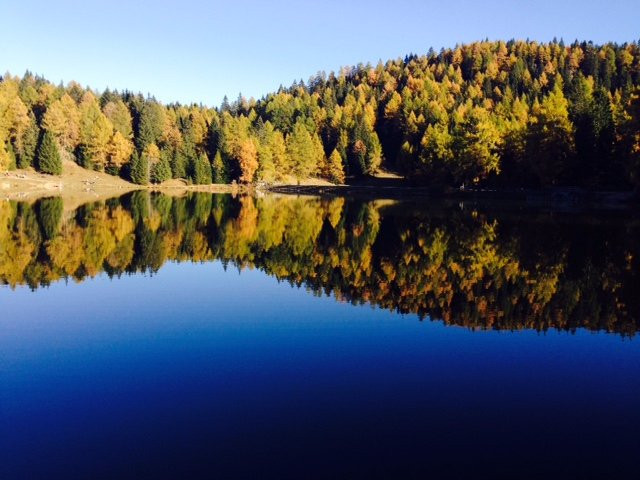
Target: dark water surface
[(281, 337)]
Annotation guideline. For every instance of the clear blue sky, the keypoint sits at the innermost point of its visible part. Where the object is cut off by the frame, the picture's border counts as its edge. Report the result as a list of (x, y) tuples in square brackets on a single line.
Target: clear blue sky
[(198, 51)]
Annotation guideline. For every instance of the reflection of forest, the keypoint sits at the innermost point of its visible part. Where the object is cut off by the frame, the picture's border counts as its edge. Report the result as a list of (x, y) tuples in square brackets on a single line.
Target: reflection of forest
[(461, 266)]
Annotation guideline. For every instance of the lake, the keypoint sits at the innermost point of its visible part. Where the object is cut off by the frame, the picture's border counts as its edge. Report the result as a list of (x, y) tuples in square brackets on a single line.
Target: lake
[(213, 336)]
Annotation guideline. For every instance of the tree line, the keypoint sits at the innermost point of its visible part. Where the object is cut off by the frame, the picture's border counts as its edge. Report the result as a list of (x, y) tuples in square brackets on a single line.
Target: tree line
[(461, 266), (517, 113)]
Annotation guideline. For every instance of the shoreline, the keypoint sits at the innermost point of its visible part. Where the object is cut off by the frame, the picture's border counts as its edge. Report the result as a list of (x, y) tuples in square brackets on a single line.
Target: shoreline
[(78, 185), (558, 197)]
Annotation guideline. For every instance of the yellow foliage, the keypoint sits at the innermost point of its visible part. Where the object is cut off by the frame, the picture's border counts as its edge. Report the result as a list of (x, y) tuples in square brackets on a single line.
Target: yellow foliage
[(62, 120), (119, 150)]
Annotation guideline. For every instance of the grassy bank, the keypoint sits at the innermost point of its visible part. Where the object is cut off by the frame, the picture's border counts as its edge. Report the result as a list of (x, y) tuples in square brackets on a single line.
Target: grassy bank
[(78, 185)]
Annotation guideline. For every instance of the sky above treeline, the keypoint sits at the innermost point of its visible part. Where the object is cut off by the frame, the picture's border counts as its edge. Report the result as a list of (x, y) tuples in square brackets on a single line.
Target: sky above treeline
[(198, 51)]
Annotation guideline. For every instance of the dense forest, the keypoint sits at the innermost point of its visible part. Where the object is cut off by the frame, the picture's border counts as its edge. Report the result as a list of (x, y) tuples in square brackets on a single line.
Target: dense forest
[(490, 113), (464, 266)]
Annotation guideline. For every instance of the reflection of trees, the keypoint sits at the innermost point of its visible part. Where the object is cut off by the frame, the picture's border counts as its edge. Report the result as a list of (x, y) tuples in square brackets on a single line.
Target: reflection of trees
[(17, 250), (464, 268)]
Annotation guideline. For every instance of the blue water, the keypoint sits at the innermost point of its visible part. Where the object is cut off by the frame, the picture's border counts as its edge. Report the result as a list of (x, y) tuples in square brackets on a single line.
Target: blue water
[(198, 372)]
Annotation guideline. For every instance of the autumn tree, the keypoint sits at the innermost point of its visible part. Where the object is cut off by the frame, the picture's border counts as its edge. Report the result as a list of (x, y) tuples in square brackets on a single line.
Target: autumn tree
[(550, 143), (436, 154), (119, 151), (118, 114), (247, 156), (238, 147), (629, 132), (14, 122), (336, 169), (62, 120), (304, 151), (95, 134), (475, 147)]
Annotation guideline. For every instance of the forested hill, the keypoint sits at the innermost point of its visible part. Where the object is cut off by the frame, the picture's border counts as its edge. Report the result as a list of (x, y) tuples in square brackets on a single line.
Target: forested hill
[(489, 113)]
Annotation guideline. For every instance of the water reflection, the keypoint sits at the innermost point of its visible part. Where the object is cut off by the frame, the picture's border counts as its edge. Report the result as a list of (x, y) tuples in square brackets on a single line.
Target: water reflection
[(480, 268)]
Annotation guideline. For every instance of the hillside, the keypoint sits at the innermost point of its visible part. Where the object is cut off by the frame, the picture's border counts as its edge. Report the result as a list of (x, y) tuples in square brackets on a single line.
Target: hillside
[(76, 184), (499, 114)]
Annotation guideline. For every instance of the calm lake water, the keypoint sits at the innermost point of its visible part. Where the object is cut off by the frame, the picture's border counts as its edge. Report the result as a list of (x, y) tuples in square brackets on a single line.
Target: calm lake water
[(280, 337)]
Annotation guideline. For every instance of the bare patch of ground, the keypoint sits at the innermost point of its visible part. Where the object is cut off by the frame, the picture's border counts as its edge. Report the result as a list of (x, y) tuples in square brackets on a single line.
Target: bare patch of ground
[(76, 185)]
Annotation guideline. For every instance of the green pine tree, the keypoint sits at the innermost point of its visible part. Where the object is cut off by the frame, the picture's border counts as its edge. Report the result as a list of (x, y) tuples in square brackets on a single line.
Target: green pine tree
[(149, 124), (161, 171), (83, 157), (219, 169), (49, 160), (178, 164), (139, 169), (30, 136), (12, 157), (201, 170)]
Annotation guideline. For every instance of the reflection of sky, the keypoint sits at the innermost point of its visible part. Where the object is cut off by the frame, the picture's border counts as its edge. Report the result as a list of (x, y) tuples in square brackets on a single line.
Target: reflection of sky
[(196, 366)]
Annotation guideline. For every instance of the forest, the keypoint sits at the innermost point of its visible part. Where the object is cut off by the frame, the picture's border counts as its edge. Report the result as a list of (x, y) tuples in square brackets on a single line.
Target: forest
[(462, 266), (490, 113)]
